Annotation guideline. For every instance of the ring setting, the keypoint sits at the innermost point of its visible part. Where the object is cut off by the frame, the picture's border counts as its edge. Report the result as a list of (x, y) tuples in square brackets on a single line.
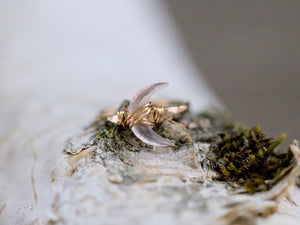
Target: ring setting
[(140, 115)]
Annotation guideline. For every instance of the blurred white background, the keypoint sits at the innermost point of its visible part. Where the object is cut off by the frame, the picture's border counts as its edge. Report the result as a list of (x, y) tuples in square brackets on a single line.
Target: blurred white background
[(249, 53)]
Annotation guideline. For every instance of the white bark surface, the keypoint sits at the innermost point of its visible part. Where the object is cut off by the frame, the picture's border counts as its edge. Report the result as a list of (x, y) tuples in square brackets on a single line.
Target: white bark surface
[(60, 63)]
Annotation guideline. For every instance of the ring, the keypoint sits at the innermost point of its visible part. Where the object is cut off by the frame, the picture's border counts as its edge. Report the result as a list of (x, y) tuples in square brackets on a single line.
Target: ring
[(149, 114), (140, 115)]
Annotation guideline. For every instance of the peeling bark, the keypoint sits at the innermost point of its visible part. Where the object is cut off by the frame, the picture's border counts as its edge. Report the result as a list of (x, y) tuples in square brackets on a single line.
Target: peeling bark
[(106, 175)]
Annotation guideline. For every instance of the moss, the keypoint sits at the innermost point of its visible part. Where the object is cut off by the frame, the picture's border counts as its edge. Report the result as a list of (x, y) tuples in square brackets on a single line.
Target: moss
[(114, 138), (248, 158)]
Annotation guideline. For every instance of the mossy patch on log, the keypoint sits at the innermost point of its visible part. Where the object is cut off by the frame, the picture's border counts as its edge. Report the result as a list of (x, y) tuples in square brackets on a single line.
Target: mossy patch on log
[(248, 159), (241, 157)]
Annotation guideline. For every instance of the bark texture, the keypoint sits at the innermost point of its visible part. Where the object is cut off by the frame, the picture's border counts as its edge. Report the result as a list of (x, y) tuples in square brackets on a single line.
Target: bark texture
[(105, 175)]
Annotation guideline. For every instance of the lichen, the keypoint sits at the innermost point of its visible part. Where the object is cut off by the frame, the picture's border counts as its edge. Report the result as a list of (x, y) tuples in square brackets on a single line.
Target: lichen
[(114, 138)]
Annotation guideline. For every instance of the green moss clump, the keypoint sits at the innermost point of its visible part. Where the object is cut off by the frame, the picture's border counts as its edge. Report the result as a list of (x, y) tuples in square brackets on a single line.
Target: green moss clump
[(248, 158)]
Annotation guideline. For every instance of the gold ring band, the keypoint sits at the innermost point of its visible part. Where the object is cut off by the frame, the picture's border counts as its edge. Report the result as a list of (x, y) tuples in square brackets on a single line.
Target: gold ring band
[(149, 114)]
